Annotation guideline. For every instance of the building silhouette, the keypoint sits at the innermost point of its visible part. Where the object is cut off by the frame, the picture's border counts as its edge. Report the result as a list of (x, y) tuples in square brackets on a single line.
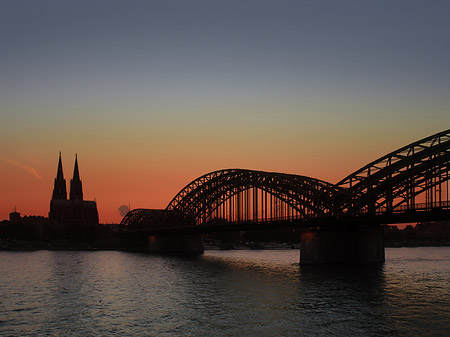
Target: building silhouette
[(14, 216), (74, 210)]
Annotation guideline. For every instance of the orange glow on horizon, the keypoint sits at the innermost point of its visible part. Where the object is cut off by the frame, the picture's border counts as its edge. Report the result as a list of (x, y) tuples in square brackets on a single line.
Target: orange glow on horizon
[(140, 186), (151, 178)]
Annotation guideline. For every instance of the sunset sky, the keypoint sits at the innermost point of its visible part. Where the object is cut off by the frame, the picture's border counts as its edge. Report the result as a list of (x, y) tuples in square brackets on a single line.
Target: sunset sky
[(153, 94)]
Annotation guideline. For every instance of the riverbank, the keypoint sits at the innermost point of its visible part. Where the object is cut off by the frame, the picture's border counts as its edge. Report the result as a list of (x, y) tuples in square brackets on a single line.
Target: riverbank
[(116, 244)]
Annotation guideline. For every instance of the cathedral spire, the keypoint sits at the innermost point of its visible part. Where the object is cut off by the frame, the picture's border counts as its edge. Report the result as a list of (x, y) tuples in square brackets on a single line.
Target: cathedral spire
[(76, 188), (59, 189), (76, 173), (60, 174)]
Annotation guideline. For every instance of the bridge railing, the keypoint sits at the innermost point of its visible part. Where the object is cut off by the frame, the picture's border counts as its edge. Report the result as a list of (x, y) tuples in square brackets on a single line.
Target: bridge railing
[(424, 206), (259, 219)]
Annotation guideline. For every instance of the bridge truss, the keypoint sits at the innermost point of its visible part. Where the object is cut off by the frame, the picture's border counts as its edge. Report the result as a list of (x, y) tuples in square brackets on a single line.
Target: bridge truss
[(395, 181), (412, 178)]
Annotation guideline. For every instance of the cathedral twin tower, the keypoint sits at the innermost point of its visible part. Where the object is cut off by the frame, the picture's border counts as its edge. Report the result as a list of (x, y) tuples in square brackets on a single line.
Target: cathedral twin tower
[(76, 189), (74, 210)]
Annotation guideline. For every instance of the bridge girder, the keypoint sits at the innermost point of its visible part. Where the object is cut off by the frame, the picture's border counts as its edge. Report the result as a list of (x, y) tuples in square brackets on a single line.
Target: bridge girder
[(390, 182), (310, 197), (397, 178), (142, 220)]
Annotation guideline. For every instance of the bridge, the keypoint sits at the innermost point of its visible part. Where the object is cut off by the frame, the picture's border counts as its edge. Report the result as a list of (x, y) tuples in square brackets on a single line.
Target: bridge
[(339, 221)]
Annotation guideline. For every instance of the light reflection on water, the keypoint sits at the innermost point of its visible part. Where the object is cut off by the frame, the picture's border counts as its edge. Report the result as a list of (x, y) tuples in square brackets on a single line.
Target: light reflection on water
[(222, 293)]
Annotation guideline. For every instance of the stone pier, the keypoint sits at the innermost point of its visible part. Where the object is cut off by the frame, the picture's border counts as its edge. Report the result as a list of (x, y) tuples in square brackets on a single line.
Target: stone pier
[(349, 245), (188, 244)]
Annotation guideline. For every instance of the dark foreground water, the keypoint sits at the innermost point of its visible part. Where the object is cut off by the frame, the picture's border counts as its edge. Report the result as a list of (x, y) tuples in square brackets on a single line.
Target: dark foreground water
[(226, 293)]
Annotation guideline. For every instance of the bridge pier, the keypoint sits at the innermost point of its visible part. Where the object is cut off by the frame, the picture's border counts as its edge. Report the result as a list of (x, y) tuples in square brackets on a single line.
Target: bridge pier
[(349, 245), (187, 244)]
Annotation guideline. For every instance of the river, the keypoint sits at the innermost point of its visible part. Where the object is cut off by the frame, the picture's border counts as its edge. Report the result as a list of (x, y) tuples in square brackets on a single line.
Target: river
[(223, 293)]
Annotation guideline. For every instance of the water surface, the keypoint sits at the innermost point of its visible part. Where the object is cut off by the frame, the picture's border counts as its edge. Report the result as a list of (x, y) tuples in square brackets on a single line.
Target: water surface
[(232, 293)]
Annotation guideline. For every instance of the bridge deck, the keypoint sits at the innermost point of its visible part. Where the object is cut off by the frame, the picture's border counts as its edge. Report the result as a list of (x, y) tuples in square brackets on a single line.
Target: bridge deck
[(410, 216)]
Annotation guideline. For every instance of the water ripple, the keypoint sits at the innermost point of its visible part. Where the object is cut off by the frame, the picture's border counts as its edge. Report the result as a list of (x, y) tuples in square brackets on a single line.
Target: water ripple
[(233, 293)]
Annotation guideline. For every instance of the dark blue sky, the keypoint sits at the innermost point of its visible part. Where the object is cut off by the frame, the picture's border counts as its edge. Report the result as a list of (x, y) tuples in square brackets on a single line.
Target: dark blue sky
[(224, 47)]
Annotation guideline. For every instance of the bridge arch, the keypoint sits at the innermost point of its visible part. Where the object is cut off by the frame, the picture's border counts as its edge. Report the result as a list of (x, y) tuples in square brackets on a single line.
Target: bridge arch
[(303, 197), (396, 179), (142, 220), (392, 183)]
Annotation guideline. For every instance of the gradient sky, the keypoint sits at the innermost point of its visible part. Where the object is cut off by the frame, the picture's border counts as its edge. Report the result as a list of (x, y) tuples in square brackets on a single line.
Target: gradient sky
[(153, 94)]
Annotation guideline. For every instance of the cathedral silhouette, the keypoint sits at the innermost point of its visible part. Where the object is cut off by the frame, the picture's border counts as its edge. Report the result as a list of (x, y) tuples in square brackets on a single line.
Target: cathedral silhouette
[(74, 210)]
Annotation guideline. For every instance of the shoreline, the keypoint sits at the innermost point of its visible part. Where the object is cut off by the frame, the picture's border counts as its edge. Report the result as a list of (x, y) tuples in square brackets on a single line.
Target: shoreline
[(110, 246)]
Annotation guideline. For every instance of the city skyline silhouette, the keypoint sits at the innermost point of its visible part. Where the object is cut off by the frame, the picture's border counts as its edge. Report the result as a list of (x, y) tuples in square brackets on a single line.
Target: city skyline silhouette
[(153, 95)]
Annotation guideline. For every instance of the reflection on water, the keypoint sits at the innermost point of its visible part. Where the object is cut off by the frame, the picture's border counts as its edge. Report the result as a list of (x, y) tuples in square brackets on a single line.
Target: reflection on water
[(222, 293)]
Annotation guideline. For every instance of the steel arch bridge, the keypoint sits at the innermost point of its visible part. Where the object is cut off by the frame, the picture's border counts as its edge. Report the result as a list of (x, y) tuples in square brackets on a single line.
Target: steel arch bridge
[(410, 179), (394, 181)]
